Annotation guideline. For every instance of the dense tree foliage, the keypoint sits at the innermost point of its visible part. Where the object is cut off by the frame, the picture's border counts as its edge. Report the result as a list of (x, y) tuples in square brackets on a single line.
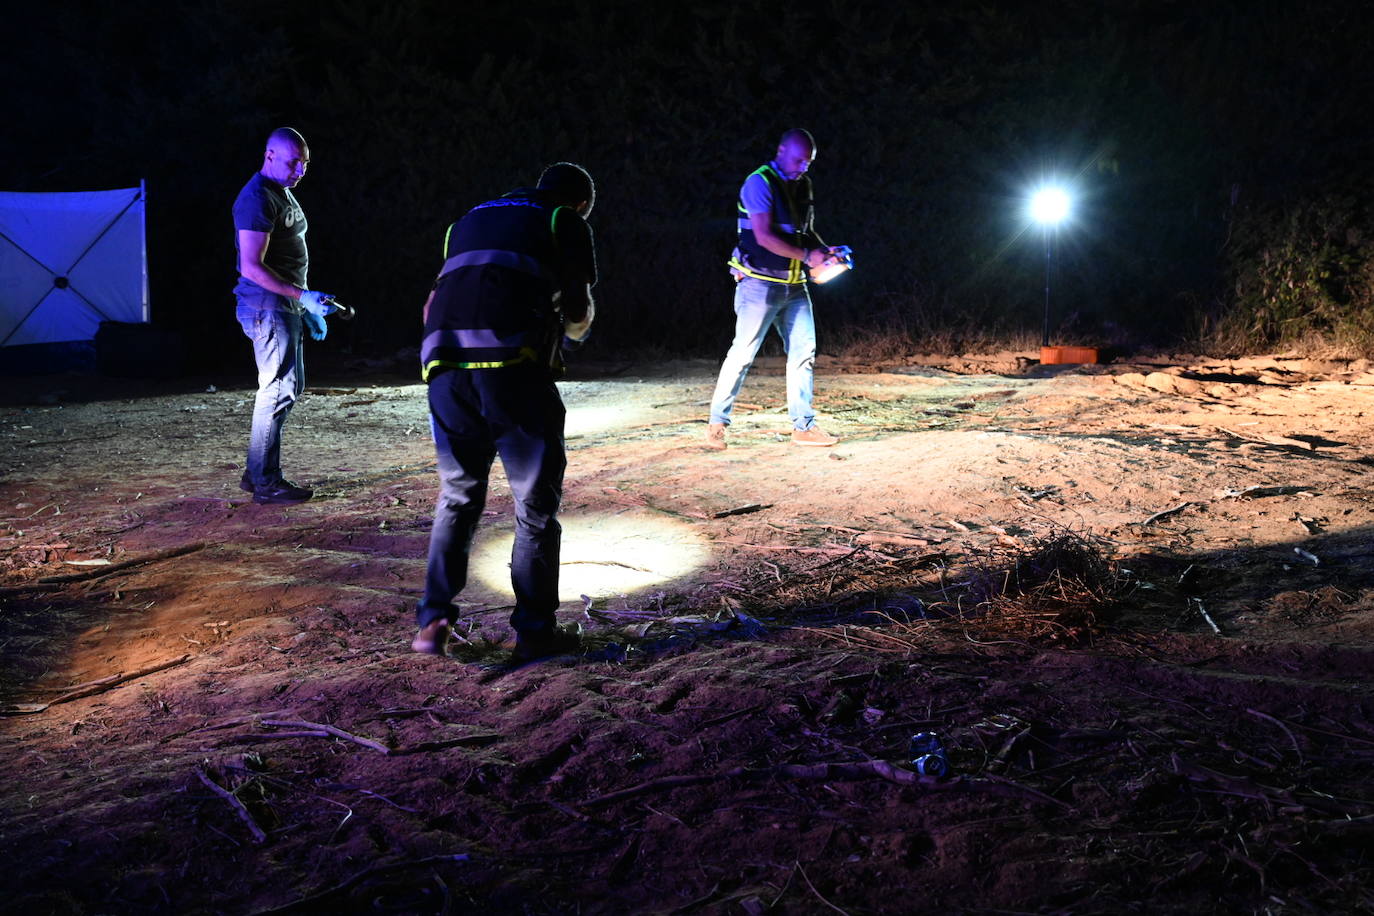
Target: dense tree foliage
[(1217, 149)]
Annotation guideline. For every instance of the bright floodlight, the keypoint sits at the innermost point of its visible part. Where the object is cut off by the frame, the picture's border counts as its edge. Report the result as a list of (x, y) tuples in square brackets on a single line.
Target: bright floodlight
[(1049, 206)]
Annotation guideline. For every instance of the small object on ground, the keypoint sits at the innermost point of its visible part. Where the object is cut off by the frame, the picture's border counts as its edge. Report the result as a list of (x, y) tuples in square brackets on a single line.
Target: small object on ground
[(1068, 356), (283, 491), (1166, 513), (432, 638), (742, 510), (927, 755), (715, 436), (813, 436), (561, 640)]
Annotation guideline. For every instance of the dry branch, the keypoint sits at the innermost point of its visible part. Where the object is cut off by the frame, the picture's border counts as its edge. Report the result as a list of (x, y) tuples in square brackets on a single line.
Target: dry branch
[(1202, 611), (797, 548), (807, 879), (259, 835), (298, 906), (281, 736), (104, 571), (1286, 730), (1248, 788), (91, 688), (329, 729), (12, 590), (1165, 514), (742, 510), (866, 769)]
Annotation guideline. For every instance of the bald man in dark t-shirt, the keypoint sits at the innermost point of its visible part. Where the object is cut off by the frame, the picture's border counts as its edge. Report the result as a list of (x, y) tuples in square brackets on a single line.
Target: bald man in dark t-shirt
[(274, 305)]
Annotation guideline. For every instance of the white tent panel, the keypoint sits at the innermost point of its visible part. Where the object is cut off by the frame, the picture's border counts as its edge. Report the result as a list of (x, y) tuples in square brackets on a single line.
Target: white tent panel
[(62, 316), (69, 261)]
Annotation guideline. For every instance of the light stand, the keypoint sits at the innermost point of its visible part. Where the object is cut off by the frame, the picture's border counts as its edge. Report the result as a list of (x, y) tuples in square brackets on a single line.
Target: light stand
[(1049, 207), (1049, 250)]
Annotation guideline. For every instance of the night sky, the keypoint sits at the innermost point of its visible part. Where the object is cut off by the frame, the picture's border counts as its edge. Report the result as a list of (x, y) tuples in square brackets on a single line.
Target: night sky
[(1189, 132)]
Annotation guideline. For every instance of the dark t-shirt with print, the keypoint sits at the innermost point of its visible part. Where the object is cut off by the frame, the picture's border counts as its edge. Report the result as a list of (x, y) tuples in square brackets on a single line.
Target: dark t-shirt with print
[(265, 206)]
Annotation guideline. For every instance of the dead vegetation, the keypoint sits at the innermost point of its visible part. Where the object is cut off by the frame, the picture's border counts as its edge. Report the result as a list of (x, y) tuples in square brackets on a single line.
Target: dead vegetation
[(1059, 589)]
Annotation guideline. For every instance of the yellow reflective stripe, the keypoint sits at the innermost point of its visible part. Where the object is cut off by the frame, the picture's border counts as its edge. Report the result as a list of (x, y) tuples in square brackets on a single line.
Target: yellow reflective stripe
[(794, 273), (526, 356)]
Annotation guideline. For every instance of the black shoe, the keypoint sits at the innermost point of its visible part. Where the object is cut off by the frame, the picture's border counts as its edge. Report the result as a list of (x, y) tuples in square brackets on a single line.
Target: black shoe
[(557, 641), (246, 482), (283, 491)]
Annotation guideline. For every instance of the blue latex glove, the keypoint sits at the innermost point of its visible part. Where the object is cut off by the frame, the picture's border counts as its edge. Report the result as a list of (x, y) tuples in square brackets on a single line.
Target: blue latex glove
[(317, 303), (314, 325)]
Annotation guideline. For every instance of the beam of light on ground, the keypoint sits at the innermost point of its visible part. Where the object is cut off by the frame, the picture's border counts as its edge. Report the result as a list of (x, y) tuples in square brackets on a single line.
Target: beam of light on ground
[(603, 555), (583, 421)]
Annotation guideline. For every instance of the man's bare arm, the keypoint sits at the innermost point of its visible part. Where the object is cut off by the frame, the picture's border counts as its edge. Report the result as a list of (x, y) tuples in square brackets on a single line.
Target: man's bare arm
[(579, 310), (762, 224), (252, 250)]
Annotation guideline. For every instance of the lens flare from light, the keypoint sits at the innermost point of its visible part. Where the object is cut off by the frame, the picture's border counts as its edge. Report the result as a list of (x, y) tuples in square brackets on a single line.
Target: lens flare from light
[(603, 555), (1049, 206)]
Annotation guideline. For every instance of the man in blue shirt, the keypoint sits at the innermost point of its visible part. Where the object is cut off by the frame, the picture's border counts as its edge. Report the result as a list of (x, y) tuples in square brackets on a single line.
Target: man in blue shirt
[(274, 305), (777, 245)]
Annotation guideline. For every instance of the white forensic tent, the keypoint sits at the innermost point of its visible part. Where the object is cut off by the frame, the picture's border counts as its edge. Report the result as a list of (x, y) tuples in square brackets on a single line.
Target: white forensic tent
[(69, 261)]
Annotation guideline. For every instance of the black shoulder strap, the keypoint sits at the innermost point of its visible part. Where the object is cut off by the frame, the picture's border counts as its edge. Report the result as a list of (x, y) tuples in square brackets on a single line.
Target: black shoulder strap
[(780, 189)]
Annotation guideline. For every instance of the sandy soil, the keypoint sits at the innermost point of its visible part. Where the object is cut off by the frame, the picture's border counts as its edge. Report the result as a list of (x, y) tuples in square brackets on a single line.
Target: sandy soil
[(211, 706)]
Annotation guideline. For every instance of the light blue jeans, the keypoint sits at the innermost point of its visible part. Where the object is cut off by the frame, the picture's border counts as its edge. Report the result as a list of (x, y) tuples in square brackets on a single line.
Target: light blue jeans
[(275, 330), (760, 305)]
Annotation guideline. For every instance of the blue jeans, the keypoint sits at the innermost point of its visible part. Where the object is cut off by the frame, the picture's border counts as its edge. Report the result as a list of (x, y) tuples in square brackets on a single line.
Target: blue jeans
[(760, 305), (274, 326), (475, 415)]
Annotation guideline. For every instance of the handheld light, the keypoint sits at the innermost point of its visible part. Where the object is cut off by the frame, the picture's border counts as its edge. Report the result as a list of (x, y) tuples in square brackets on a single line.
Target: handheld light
[(345, 312), (841, 259)]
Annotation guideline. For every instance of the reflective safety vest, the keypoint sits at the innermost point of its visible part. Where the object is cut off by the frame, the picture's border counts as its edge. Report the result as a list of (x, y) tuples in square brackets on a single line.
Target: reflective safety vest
[(792, 206), (493, 303)]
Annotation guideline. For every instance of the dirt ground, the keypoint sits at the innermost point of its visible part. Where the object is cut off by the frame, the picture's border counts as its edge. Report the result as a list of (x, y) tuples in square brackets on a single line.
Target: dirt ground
[(211, 706)]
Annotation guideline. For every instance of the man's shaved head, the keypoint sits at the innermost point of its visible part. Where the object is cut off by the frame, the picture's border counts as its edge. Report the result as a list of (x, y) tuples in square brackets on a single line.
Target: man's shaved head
[(283, 136), (286, 157), (796, 136), (796, 149)]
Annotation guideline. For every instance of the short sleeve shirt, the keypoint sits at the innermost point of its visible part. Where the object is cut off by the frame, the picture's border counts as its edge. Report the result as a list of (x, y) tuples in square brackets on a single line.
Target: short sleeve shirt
[(265, 206), (757, 196)]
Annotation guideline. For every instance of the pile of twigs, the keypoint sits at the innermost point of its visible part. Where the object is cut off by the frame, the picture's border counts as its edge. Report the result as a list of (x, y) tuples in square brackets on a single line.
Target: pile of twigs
[(1059, 589)]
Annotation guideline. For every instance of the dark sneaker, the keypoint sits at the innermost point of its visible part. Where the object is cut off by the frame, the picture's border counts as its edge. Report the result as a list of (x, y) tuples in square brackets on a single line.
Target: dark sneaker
[(283, 491), (558, 641), (246, 482), (432, 638)]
